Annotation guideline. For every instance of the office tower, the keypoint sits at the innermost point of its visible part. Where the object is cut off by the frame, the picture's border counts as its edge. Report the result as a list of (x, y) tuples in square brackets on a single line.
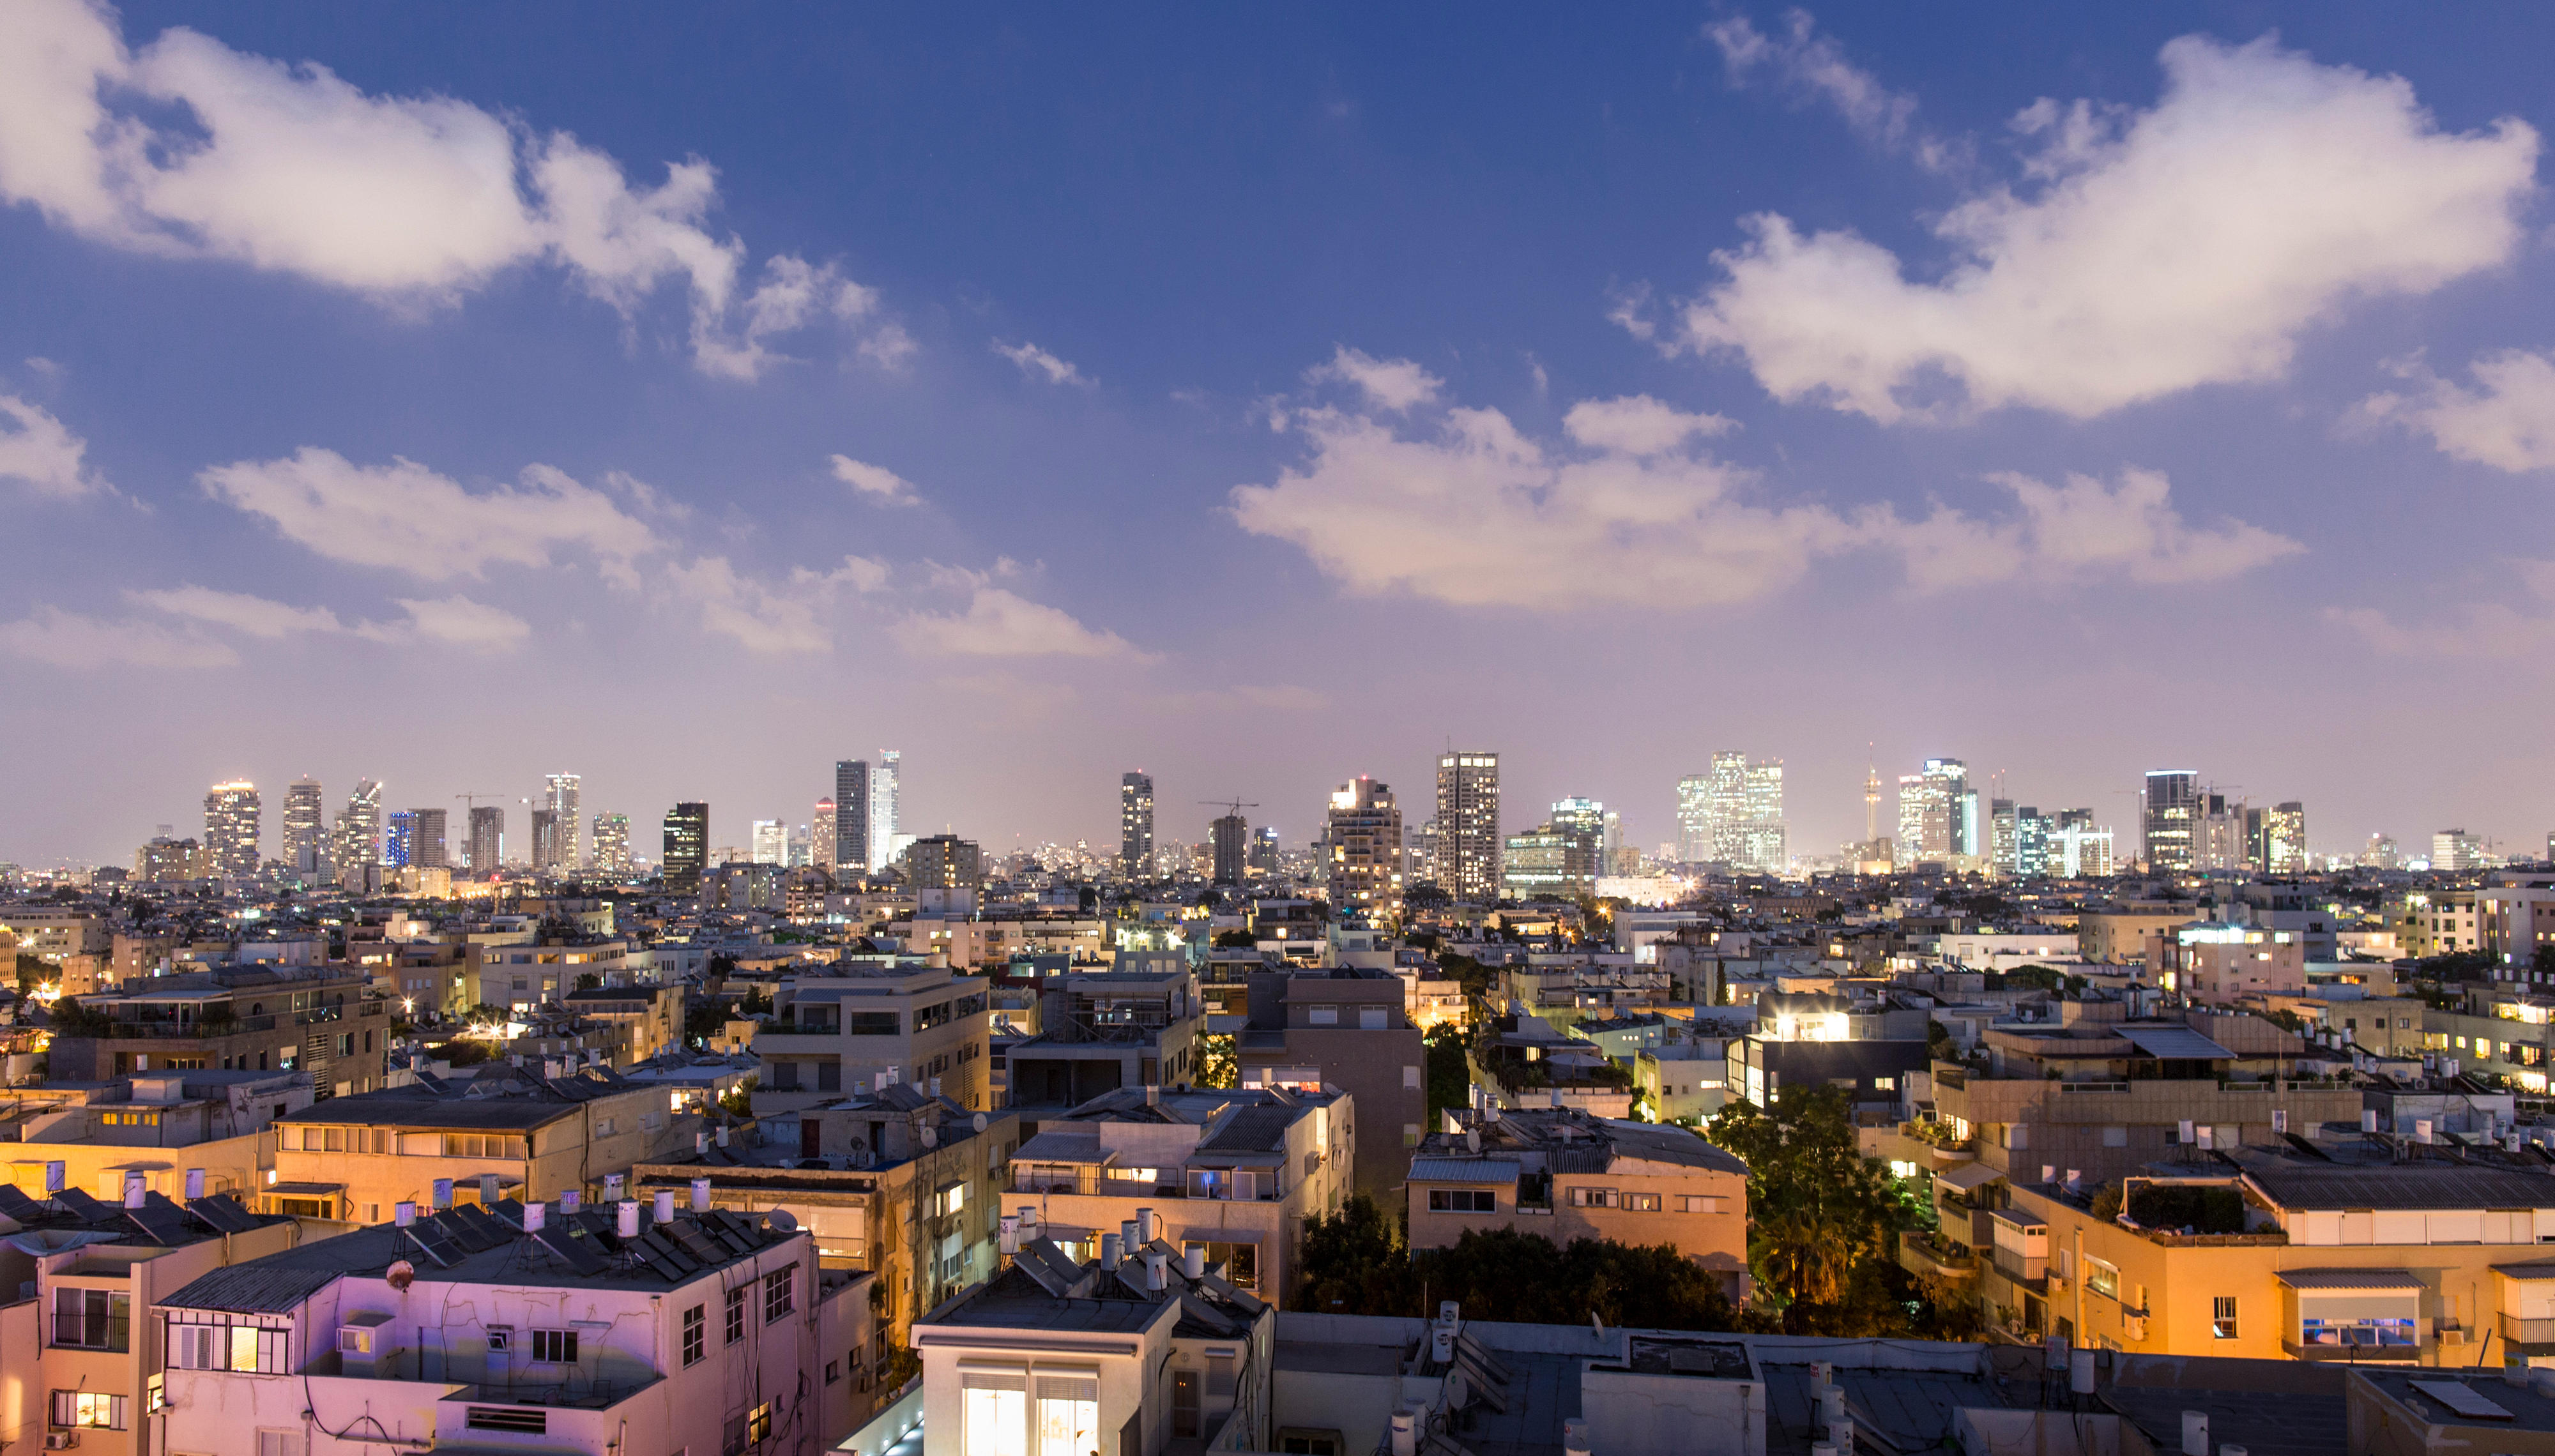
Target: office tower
[(687, 841), (1231, 835), (1871, 802), (1764, 836), (357, 838), (487, 840), (2168, 811), (1362, 859), (1469, 851), (771, 842), (1582, 815), (1551, 860), (1937, 813), (852, 812), (2277, 839), (400, 851), (232, 827), (1266, 857), (1729, 804), (2080, 850), (823, 845), (1135, 824), (2002, 828), (427, 844), (800, 853), (551, 855), (885, 821), (2456, 849), (564, 794), (1424, 855), (1694, 818), (305, 826), (2032, 837), (2381, 853), (946, 862), (612, 843)]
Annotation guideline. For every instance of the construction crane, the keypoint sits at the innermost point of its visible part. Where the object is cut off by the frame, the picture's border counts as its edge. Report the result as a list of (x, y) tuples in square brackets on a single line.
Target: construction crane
[(1233, 805)]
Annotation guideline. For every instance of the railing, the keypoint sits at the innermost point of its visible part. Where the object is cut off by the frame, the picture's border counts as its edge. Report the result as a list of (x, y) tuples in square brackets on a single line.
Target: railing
[(2519, 1331), (2093, 1087)]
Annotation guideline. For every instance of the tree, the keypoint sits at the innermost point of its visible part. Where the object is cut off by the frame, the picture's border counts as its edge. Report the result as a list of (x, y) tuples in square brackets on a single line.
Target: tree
[(1353, 1262), (1217, 1065), (1234, 941), (1822, 1218), (589, 981), (1450, 1078)]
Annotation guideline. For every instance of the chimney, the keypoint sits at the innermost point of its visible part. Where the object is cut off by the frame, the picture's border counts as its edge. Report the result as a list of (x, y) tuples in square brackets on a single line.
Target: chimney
[(536, 1216), (194, 1184), (135, 1185), (1193, 1263), (628, 1223), (700, 1195), (665, 1205), (1146, 1226), (1109, 1251)]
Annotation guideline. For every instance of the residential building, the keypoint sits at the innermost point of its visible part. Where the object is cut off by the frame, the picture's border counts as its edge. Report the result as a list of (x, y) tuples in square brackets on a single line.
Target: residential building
[(771, 842), (563, 795), (1365, 870), (174, 1129), (1469, 848), (2453, 850), (167, 861), (2217, 963), (1552, 860), (825, 840), (1938, 814), (653, 1014), (1234, 1173), (467, 1328), (2117, 932), (2277, 839), (537, 1131), (553, 849), (487, 840), (1102, 1030), (2169, 813), (887, 825), (687, 843), (1347, 1029), (1563, 1175), (305, 824), (612, 843), (839, 1028), (1230, 834), (321, 1019), (355, 840), (2514, 919), (944, 862), (1877, 1074), (423, 845), (232, 827), (1135, 824)]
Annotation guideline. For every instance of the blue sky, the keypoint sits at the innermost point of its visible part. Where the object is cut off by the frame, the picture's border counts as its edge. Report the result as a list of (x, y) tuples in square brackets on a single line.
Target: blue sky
[(1265, 400)]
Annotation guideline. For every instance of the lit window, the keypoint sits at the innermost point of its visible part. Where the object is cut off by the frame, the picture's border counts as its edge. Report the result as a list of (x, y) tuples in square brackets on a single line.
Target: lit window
[(2221, 1317), (1068, 1415)]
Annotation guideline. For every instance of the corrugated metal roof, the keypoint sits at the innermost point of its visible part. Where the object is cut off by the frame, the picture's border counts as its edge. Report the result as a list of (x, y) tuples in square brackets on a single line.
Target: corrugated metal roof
[(1054, 1146), (253, 1288), (1968, 1177), (2174, 1044), (1463, 1170), (2350, 1278), (2422, 1186), (2525, 1271), (1251, 1129)]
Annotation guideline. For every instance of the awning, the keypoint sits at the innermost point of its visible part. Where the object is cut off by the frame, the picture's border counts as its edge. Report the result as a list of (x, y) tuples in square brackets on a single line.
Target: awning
[(1061, 1146), (1205, 1234), (1463, 1170), (2174, 1044), (2350, 1278), (1968, 1177), (2527, 1273), (303, 1191)]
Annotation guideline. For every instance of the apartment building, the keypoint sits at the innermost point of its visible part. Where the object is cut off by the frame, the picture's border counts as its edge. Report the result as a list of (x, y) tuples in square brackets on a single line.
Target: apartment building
[(1136, 1351), (2514, 919), (841, 1028), (527, 975), (321, 1019), (83, 1360), (2437, 922), (517, 1328), (897, 1182), (2370, 1254), (651, 1015), (1563, 1175), (174, 1129), (2105, 1094), (1346, 1029), (2222, 963), (1101, 1030), (2116, 933), (539, 1130), (1232, 1172)]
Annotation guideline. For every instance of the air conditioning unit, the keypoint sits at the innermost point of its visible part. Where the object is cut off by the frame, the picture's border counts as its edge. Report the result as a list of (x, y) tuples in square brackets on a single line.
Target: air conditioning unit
[(2452, 1338), (60, 1440)]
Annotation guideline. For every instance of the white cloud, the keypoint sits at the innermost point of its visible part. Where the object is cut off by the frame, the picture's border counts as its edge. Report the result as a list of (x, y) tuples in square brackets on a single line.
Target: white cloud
[(1396, 385), (1815, 66), (876, 482), (2480, 630), (1467, 510), (1037, 362), (773, 618), (39, 452), (458, 621), (70, 640), (2508, 420), (187, 148), (890, 347), (239, 611), (407, 517), (1001, 623), (2161, 250)]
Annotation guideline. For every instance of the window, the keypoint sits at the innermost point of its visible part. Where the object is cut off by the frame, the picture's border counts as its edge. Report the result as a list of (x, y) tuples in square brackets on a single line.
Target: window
[(736, 1314), (833, 1372), (1703, 1203), (2101, 1278), (1372, 1017), (1592, 1198), (91, 1319), (778, 1288), (1068, 1415), (1240, 1261), (603, 1127), (1322, 1016), (2221, 1317), (758, 1424), (88, 1408), (501, 1339), (1410, 1079), (993, 1416), (281, 1443), (1885, 1084), (1642, 1202), (695, 1333), (555, 1347), (1463, 1200), (1410, 1135), (873, 1024)]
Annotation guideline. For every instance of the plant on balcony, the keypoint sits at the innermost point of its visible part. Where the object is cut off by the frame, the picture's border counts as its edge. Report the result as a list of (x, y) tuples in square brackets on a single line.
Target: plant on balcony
[(2166, 1206), (1935, 1134)]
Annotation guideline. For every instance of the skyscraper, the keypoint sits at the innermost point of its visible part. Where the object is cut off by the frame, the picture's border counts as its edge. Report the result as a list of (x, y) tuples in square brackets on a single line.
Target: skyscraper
[(612, 843), (2169, 812), (1694, 818), (2277, 839), (1743, 808), (885, 818), (1135, 824), (1584, 815), (551, 853), (305, 827), (1231, 836), (946, 862), (1938, 815), (357, 838), (1468, 826), (687, 841), (822, 843), (487, 840), (401, 852), (853, 814), (771, 842), (233, 825), (1364, 844), (564, 794), (1266, 857)]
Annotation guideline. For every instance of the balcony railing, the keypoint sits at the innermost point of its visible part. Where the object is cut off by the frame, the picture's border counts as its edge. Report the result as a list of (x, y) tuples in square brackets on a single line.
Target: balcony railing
[(2517, 1331)]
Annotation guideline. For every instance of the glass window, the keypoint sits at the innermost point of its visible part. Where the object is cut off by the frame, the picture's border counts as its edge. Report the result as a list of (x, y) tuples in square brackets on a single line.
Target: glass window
[(695, 1333), (2221, 1317), (1068, 1415), (88, 1408), (555, 1347), (778, 1288), (995, 1421), (2101, 1278), (736, 1314), (92, 1319)]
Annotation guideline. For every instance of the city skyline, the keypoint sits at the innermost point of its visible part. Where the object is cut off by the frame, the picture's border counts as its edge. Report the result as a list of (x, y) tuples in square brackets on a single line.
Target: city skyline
[(1517, 353)]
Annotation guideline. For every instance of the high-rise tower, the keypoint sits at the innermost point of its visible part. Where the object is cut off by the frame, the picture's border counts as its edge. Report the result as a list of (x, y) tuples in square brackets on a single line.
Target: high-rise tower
[(487, 840), (566, 796), (233, 825), (824, 846), (1135, 824), (687, 843), (2169, 810), (357, 838), (1365, 847), (1469, 851), (852, 814), (305, 827), (885, 818)]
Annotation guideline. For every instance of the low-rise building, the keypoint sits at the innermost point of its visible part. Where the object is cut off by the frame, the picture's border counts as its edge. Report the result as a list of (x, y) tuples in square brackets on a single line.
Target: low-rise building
[(1101, 1030), (841, 1028), (1345, 1029), (320, 1020)]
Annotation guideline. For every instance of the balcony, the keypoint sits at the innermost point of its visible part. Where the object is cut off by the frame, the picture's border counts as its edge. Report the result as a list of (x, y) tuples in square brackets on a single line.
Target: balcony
[(2528, 1336), (1935, 1258)]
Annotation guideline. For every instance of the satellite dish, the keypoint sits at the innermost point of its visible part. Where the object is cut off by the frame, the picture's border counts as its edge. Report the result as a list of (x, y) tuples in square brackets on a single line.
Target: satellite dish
[(401, 1274), (781, 1221), (980, 1121)]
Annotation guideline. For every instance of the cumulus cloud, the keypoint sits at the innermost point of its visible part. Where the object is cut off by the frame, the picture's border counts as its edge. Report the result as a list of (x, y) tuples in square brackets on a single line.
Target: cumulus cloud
[(453, 621), (39, 452), (876, 482), (890, 347), (998, 623), (1466, 508), (70, 640), (457, 621), (1814, 66), (1038, 363), (2478, 630), (2506, 420), (185, 148), (1396, 385), (774, 618), (407, 517), (239, 611), (2150, 252)]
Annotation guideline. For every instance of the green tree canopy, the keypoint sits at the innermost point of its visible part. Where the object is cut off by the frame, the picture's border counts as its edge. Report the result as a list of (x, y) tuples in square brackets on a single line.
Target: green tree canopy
[(1823, 1219)]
